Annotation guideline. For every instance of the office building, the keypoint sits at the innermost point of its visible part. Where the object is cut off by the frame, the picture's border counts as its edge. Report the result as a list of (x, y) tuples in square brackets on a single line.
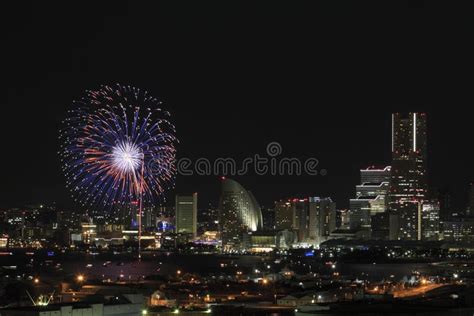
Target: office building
[(301, 218), (186, 214), (343, 219), (459, 230), (408, 183), (445, 205), (283, 215), (312, 219), (374, 174), (371, 196), (430, 216), (380, 226), (268, 219), (322, 219)]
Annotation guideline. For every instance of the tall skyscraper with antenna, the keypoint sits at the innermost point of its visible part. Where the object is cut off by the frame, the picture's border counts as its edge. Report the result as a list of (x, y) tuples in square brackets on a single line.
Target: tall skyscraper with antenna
[(408, 183)]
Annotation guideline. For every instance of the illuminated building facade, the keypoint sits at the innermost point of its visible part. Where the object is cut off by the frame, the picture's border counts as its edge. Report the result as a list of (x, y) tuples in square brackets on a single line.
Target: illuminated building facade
[(408, 184), (89, 232), (343, 219), (371, 196), (239, 213), (374, 174), (186, 214), (261, 241), (430, 216), (312, 219), (380, 226), (459, 230), (283, 215), (301, 218), (322, 219), (363, 208)]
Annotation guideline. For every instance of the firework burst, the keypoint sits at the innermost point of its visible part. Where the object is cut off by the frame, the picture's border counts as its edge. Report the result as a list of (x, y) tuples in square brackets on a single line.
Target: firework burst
[(113, 139)]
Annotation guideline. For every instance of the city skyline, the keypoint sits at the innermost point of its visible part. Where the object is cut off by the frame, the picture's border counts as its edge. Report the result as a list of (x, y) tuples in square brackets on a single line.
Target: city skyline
[(344, 121), (460, 206), (285, 158)]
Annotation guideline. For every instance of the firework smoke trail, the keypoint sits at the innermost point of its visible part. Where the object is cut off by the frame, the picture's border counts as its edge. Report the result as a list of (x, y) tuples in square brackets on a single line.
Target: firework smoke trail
[(107, 138)]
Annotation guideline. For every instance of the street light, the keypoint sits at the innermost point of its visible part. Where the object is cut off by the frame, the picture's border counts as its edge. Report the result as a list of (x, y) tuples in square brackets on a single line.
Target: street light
[(80, 278)]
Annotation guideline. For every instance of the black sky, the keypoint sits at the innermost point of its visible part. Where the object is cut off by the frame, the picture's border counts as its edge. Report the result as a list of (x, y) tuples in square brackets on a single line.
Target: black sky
[(321, 80)]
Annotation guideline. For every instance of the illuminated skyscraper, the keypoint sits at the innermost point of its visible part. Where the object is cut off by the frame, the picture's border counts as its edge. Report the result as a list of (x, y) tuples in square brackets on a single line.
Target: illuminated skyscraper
[(300, 219), (375, 174), (371, 196), (312, 219), (186, 214), (322, 219), (239, 213), (430, 215), (283, 215), (149, 217), (408, 185)]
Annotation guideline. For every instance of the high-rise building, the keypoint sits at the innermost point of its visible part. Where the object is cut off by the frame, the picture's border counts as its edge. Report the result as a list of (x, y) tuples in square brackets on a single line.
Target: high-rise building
[(374, 174), (239, 213), (371, 196), (343, 219), (268, 219), (380, 226), (312, 219), (362, 208), (283, 215), (126, 215), (445, 205), (149, 217), (430, 214), (186, 214), (322, 219), (208, 219), (461, 229), (300, 218), (409, 220), (408, 184)]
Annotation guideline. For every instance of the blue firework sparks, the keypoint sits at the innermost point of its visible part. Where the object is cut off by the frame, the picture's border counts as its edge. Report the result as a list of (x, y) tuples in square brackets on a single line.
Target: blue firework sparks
[(113, 139)]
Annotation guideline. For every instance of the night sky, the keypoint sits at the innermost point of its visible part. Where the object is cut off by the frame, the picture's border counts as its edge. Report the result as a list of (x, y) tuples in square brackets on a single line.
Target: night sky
[(320, 80)]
